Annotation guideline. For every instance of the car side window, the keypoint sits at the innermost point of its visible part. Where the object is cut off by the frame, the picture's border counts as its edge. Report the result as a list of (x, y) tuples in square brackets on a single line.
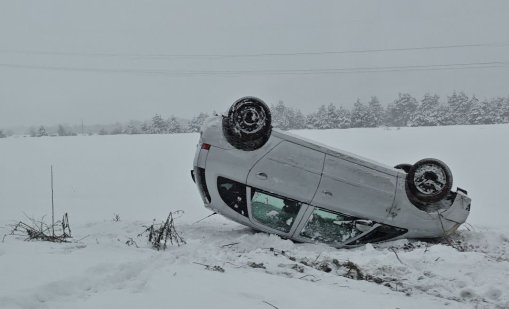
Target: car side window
[(233, 194), (274, 212), (329, 227)]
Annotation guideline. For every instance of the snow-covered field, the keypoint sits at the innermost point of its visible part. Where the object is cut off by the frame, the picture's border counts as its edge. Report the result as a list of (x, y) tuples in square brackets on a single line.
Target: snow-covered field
[(143, 177)]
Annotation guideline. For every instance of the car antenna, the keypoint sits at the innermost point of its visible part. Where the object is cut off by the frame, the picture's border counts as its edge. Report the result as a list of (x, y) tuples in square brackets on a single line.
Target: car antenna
[(214, 213)]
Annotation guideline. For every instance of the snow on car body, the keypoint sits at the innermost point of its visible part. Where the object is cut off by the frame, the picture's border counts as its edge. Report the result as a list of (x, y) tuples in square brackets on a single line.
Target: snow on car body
[(279, 183)]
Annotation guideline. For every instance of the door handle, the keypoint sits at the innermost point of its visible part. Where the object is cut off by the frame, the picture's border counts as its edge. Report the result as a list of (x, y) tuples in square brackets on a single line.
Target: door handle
[(328, 193), (261, 176)]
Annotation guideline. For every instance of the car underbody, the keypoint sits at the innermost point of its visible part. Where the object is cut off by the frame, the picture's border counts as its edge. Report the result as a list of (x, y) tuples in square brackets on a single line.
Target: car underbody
[(276, 182)]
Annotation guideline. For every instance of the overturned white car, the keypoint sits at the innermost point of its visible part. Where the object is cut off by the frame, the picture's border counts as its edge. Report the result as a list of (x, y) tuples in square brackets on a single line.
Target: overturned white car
[(278, 183)]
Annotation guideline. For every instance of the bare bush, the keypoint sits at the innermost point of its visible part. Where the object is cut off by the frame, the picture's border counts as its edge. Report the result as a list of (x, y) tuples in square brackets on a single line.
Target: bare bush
[(131, 242), (160, 234), (211, 267), (60, 231)]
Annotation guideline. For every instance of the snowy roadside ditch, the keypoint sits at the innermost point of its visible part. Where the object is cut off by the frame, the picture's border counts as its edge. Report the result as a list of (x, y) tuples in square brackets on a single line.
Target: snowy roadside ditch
[(469, 269)]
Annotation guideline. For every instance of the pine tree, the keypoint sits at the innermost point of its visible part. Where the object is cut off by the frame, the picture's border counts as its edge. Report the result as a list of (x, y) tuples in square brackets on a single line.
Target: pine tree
[(173, 125), (445, 117), (339, 118), (496, 110), (61, 131), (2, 135), (360, 115), (505, 110), (323, 118), (159, 125), (146, 127), (133, 127), (375, 113), (197, 121), (42, 132), (427, 114), (318, 120), (402, 110), (103, 132), (344, 118), (480, 113), (389, 115), (476, 113), (281, 116), (459, 107), (332, 118), (310, 121), (298, 121)]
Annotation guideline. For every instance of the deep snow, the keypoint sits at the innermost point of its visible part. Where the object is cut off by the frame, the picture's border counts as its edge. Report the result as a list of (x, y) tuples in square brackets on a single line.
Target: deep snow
[(142, 177)]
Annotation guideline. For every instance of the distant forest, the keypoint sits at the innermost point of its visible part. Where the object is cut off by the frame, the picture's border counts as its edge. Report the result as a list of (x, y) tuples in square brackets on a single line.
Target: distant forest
[(404, 111)]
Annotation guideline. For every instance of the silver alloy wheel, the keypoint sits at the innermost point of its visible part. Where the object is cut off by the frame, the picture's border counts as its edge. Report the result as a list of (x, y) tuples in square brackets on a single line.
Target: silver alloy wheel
[(250, 118), (430, 179)]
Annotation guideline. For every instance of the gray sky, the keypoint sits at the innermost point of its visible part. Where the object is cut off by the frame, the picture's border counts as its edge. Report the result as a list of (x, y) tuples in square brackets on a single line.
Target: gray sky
[(113, 60)]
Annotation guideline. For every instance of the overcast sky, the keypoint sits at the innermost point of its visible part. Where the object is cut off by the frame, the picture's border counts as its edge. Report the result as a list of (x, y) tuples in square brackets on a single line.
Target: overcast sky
[(113, 60)]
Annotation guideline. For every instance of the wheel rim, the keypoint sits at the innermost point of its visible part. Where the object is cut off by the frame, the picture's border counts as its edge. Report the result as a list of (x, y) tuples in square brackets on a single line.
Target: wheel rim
[(250, 118), (430, 179)]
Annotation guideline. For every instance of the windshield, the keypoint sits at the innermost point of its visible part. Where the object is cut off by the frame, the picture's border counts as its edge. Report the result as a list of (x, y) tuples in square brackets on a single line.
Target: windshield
[(329, 227)]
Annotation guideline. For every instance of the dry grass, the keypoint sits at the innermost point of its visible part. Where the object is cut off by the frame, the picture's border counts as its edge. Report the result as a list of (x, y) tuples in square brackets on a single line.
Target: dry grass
[(159, 235), (40, 230)]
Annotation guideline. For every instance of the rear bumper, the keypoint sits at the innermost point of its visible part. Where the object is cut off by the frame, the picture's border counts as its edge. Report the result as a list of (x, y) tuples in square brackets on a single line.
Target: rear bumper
[(198, 172), (201, 183)]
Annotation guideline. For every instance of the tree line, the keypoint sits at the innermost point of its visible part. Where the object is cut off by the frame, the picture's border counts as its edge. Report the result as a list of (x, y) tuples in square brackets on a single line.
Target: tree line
[(405, 110)]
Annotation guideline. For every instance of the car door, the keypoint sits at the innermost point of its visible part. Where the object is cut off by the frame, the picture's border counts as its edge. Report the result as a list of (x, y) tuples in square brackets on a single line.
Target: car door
[(355, 189), (289, 170)]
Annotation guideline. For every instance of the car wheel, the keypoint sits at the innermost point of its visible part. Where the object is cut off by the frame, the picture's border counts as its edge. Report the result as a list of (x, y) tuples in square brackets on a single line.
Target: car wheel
[(248, 124), (428, 181)]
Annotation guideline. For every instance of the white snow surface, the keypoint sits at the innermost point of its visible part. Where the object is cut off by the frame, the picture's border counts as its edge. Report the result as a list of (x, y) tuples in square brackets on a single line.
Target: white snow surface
[(144, 177)]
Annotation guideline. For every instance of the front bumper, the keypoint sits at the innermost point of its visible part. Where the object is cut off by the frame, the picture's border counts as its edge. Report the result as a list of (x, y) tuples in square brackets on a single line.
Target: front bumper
[(459, 210)]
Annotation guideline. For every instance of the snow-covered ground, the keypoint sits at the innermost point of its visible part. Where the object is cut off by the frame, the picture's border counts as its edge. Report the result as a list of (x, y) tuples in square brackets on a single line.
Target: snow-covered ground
[(143, 177)]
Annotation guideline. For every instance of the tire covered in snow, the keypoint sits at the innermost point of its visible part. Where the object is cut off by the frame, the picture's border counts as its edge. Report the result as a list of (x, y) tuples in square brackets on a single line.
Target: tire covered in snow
[(428, 181), (248, 124)]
